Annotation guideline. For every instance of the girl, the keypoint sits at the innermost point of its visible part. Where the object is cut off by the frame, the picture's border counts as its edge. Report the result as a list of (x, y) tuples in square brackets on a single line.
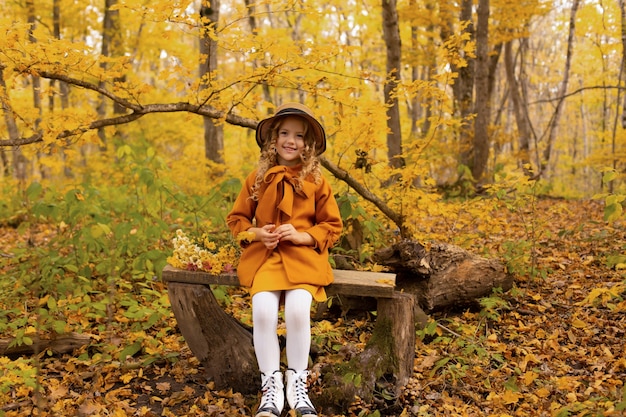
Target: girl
[(293, 219)]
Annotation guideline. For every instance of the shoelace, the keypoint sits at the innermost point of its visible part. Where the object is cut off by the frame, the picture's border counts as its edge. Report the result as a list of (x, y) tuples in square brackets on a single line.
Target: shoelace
[(269, 392), (302, 399)]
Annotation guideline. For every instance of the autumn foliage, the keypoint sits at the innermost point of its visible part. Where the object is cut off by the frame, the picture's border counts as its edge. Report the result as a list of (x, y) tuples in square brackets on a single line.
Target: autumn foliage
[(121, 127)]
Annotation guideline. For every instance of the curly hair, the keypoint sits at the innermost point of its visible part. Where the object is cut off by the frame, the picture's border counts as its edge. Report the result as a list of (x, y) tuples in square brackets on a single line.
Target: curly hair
[(269, 158)]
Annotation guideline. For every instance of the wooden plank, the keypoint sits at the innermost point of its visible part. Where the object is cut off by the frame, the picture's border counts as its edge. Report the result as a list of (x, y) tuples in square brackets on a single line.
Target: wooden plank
[(362, 283), (198, 277), (359, 283)]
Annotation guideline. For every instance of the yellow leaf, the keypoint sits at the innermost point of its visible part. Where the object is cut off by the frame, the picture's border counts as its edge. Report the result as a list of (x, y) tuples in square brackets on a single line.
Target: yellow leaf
[(510, 397), (529, 377), (43, 300), (385, 281), (543, 392), (566, 383), (579, 324), (177, 398), (126, 378), (571, 336)]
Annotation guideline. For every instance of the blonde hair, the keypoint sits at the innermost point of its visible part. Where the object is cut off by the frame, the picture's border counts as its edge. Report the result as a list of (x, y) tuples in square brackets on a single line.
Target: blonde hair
[(269, 158)]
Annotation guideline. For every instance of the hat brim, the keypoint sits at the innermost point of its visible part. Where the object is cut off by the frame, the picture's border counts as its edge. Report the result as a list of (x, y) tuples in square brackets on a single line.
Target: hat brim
[(264, 126)]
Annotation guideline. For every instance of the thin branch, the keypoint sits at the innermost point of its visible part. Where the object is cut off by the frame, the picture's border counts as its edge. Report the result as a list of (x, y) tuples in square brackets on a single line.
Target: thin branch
[(365, 193), (138, 111), (90, 86)]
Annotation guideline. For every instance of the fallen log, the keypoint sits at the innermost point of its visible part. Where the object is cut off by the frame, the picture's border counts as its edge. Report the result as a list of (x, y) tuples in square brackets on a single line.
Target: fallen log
[(443, 275), (56, 343)]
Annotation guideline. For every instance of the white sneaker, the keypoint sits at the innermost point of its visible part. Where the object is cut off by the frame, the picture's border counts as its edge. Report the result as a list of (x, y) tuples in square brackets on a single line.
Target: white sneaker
[(273, 395), (297, 396)]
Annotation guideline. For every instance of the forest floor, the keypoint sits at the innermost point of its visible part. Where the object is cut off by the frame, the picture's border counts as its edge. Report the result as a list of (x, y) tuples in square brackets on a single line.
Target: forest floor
[(554, 345)]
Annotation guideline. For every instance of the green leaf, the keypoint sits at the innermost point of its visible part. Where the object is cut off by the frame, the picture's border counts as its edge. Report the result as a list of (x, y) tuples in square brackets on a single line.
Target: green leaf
[(511, 384), (130, 350), (34, 191), (609, 176), (59, 326), (612, 212)]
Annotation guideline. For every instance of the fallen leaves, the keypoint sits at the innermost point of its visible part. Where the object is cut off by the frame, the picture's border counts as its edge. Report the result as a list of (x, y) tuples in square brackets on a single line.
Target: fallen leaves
[(552, 346)]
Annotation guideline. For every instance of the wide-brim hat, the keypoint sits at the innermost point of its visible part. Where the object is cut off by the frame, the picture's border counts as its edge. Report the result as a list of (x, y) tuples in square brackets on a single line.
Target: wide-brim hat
[(292, 109)]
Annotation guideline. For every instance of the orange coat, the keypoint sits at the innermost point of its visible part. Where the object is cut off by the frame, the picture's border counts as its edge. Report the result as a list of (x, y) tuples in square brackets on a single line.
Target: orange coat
[(312, 209)]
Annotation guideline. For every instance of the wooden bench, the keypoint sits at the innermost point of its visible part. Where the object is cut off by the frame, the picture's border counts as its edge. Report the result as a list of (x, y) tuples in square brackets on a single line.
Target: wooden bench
[(223, 344)]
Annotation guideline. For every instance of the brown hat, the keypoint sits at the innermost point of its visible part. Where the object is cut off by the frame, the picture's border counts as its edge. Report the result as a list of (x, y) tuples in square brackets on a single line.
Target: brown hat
[(292, 109)]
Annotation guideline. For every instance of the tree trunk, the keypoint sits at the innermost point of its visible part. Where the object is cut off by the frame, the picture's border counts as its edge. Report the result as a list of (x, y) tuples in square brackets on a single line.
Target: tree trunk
[(556, 117), (19, 162), (463, 87), (481, 104), (64, 90), (213, 134), (381, 366), (219, 341), (391, 33), (520, 109), (112, 43), (444, 276), (622, 7)]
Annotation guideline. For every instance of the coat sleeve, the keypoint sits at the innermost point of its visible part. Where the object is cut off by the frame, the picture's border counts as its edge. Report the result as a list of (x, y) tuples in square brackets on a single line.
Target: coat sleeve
[(327, 229), (241, 216)]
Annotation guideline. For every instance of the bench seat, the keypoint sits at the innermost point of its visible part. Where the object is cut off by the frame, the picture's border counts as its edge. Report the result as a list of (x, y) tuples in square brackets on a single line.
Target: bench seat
[(357, 283)]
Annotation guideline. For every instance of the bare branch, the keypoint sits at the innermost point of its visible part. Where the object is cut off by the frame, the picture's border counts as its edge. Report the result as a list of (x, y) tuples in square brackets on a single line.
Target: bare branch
[(137, 111), (344, 176), (90, 86)]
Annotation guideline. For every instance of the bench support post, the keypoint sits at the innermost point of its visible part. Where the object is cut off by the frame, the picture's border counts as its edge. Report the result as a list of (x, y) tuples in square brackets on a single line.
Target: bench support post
[(397, 316), (219, 341), (386, 362)]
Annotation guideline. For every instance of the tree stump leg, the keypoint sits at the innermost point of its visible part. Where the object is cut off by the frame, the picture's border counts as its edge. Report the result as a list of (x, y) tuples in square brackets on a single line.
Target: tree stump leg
[(219, 341), (387, 360), (397, 317)]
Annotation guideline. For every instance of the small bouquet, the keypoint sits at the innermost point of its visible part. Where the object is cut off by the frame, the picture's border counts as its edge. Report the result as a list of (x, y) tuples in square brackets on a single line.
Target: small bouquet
[(203, 254)]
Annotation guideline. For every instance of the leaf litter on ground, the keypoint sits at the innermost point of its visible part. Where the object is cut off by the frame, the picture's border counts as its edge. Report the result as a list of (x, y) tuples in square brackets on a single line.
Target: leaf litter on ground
[(554, 345)]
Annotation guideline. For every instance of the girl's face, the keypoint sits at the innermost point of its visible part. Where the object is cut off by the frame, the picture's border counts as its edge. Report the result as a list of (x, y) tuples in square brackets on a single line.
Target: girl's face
[(290, 141)]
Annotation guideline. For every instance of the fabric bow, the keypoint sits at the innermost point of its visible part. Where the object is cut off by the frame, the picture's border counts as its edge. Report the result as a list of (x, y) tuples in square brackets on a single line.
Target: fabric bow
[(281, 186)]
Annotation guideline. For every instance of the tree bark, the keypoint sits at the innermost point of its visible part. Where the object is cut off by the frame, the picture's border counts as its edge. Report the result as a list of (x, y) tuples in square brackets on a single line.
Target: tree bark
[(463, 87), (622, 8), (443, 276), (556, 117), (391, 34), (112, 43), (219, 341), (481, 104), (382, 365), (520, 109), (213, 133), (19, 162)]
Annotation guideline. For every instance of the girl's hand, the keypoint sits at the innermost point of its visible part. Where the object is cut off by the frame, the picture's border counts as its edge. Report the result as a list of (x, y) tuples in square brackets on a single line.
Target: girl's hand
[(286, 232), (267, 234)]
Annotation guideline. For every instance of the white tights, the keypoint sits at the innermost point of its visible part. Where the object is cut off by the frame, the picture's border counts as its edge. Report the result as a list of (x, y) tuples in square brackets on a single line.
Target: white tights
[(265, 307)]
